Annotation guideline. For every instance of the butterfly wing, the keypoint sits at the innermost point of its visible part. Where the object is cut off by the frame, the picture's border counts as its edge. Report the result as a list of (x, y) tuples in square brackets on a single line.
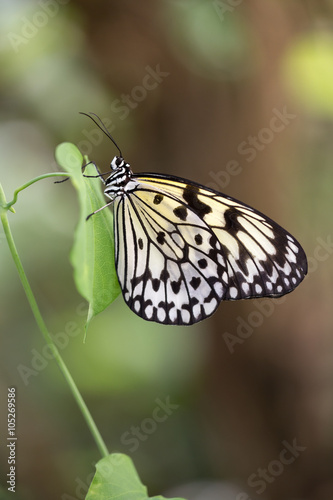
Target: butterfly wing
[(169, 271), (182, 248)]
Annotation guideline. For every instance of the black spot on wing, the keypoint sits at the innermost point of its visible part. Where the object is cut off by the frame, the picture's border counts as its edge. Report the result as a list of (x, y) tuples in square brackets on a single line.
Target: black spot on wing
[(180, 212), (198, 239), (195, 282), (164, 276), (156, 284), (140, 243), (167, 306), (211, 297), (231, 222), (161, 238), (143, 277), (158, 198), (191, 197), (215, 248), (202, 263), (175, 285), (192, 302)]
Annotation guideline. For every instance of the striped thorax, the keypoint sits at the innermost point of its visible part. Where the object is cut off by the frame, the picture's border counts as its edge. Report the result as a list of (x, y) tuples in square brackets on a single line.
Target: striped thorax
[(118, 183)]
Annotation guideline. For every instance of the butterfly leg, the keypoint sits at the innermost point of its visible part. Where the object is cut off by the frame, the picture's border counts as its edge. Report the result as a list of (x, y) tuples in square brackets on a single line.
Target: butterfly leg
[(102, 208), (99, 174), (83, 169)]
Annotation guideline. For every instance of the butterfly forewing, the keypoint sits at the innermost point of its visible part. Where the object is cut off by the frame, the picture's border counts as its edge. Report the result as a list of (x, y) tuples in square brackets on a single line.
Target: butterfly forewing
[(182, 248), (263, 259)]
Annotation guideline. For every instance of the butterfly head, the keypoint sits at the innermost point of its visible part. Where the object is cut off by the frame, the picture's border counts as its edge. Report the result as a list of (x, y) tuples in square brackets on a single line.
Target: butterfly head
[(119, 178), (119, 168), (117, 163)]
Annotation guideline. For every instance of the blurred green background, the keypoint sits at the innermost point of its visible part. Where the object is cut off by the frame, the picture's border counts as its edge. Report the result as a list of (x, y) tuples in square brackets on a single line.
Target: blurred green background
[(237, 95)]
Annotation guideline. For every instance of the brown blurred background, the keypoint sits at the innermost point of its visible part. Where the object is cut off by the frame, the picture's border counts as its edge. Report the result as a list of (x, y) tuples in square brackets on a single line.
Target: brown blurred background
[(237, 95)]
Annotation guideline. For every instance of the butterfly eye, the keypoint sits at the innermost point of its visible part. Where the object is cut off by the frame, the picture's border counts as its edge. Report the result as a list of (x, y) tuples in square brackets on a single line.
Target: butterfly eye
[(113, 164), (116, 162)]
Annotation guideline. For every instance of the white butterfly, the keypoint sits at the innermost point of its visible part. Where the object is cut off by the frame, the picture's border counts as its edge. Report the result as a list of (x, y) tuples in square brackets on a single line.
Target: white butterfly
[(182, 248)]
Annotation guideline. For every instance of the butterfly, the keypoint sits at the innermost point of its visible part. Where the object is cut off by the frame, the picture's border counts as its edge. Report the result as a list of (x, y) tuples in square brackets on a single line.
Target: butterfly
[(182, 248)]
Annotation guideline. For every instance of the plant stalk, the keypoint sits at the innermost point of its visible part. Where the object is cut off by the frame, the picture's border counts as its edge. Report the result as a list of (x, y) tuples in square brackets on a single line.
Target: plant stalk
[(4, 207)]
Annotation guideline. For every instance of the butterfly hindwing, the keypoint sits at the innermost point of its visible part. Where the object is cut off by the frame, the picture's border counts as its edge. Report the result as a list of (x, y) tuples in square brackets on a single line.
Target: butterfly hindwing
[(182, 248), (170, 270)]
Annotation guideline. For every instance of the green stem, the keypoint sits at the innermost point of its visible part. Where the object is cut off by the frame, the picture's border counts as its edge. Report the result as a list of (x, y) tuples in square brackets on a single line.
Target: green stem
[(16, 192), (40, 322)]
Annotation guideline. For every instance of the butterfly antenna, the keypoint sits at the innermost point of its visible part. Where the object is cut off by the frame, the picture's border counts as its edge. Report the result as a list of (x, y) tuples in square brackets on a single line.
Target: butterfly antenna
[(103, 128)]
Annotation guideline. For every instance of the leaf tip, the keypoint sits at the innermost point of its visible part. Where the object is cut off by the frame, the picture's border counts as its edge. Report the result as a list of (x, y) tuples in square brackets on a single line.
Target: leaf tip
[(68, 156)]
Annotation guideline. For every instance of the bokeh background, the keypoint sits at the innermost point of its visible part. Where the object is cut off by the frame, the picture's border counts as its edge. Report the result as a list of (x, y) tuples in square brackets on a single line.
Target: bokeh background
[(237, 95)]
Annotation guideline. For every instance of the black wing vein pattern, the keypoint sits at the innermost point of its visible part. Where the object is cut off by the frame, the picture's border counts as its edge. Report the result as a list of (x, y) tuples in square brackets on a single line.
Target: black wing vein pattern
[(181, 249)]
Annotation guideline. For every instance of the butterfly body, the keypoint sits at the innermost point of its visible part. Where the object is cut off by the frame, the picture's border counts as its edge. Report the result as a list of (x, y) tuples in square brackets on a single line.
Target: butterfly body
[(118, 182), (181, 248)]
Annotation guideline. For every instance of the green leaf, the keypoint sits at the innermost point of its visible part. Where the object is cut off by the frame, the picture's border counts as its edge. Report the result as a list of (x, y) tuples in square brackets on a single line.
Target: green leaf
[(117, 479), (92, 255)]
